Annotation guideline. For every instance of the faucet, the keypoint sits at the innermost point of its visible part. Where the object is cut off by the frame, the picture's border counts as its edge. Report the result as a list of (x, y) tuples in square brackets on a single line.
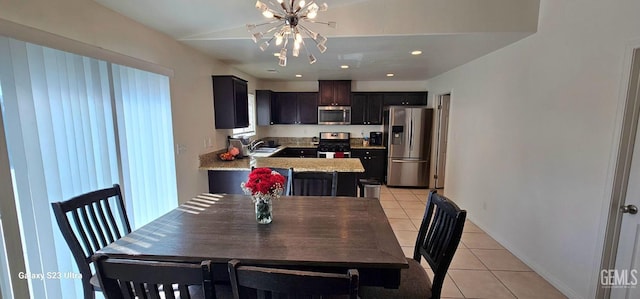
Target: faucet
[(254, 144)]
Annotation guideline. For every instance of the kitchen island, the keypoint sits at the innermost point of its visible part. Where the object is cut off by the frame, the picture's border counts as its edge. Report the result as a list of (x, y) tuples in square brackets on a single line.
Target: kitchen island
[(226, 176)]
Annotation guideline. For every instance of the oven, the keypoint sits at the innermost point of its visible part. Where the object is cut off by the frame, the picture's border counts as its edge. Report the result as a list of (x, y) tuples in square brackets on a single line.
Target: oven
[(334, 145), (334, 155)]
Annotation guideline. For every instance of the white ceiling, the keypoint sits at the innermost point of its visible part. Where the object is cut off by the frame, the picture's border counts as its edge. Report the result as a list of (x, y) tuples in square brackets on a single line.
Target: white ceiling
[(373, 37)]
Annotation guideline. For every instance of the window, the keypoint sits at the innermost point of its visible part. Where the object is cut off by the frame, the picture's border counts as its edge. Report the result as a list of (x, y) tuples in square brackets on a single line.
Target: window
[(75, 124), (251, 129)]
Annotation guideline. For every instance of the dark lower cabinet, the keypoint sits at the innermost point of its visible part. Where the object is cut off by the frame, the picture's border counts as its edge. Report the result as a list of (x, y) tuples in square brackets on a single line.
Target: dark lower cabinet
[(298, 152), (227, 181), (373, 161)]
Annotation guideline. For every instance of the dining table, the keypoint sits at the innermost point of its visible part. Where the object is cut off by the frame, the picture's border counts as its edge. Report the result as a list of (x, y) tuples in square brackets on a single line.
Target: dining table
[(330, 234)]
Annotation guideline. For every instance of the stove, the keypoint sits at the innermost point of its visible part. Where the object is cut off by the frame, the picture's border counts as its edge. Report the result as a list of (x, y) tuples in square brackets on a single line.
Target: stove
[(334, 145)]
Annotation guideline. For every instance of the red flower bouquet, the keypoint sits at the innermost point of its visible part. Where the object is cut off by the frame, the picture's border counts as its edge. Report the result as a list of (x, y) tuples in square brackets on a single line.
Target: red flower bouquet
[(263, 185), (263, 182)]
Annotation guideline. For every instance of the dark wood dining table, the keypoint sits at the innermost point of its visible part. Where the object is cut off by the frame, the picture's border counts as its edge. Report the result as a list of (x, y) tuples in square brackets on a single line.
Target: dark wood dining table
[(320, 233)]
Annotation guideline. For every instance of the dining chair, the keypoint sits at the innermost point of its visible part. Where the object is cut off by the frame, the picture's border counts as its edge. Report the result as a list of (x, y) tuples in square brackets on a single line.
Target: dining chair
[(312, 183), (129, 278), (89, 222), (438, 239), (249, 281), (287, 173)]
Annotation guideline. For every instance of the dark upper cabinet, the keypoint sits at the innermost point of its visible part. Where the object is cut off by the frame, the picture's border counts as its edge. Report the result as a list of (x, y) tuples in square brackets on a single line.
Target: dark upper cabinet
[(366, 108), (264, 98), (373, 161), (230, 101), (294, 108), (334, 92), (405, 98)]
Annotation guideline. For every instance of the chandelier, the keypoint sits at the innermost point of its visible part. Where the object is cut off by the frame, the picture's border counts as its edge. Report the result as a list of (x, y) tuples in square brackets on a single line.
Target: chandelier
[(286, 24)]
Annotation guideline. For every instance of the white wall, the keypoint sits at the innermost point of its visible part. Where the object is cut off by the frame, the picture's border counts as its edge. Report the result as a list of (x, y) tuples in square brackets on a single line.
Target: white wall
[(191, 88), (533, 131)]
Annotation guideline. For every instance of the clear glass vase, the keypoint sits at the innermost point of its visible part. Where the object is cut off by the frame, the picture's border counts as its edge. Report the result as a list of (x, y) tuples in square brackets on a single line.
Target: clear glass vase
[(264, 210)]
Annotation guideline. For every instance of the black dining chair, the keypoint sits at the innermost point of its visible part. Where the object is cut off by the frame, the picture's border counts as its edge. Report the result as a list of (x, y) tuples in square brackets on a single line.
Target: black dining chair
[(312, 183), (287, 173), (89, 222), (438, 239), (129, 278), (249, 281)]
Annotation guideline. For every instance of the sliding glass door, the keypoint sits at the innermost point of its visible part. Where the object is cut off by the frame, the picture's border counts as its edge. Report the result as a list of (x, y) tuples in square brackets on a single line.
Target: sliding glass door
[(75, 124)]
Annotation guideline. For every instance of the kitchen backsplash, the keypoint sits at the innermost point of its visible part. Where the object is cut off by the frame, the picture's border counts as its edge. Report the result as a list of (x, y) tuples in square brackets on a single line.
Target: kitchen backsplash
[(356, 131)]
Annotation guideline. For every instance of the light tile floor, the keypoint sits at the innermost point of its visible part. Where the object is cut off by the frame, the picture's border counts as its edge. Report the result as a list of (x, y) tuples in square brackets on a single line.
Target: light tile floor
[(481, 267)]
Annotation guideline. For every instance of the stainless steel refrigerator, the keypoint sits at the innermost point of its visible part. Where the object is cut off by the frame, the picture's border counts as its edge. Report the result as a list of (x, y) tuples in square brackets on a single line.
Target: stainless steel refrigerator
[(407, 134)]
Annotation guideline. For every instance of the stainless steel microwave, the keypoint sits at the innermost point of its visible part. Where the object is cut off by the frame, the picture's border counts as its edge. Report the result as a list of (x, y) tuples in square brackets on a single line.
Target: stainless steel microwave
[(334, 115)]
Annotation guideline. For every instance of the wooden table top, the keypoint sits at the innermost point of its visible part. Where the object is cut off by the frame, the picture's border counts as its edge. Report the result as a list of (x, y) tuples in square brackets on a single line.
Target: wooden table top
[(317, 232), (306, 231)]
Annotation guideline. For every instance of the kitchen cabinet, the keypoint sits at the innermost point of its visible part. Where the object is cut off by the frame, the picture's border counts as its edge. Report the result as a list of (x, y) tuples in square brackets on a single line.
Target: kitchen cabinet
[(373, 161), (294, 108), (334, 92), (264, 98), (366, 108), (405, 98), (298, 152), (231, 102)]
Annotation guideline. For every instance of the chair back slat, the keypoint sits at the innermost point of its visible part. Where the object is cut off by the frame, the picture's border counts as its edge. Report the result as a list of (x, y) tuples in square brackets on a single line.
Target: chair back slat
[(104, 223), (439, 236), (285, 283), (87, 223), (315, 183), (121, 278), (99, 232)]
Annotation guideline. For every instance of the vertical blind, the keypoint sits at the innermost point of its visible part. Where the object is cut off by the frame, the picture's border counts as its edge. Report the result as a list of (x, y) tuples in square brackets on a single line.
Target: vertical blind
[(143, 109), (72, 128)]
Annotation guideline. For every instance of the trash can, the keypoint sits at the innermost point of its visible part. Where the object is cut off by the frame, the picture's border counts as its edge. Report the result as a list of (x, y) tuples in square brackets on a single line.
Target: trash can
[(369, 188)]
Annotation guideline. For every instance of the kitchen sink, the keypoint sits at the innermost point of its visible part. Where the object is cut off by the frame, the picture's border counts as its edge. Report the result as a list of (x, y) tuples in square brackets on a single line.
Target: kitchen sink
[(265, 150)]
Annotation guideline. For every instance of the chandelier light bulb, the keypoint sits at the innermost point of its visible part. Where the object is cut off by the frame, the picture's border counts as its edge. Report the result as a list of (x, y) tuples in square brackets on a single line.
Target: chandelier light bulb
[(296, 51), (332, 24), (280, 1), (298, 37), (267, 14), (324, 6), (312, 59), (301, 4), (256, 36), (278, 39)]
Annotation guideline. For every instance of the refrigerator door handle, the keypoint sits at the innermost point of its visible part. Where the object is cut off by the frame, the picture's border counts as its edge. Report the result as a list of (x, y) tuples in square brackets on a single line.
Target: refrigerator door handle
[(409, 161), (411, 135)]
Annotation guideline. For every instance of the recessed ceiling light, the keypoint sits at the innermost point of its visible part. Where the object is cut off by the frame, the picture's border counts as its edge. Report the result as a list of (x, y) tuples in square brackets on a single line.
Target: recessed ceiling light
[(416, 52), (298, 76), (344, 66), (390, 75)]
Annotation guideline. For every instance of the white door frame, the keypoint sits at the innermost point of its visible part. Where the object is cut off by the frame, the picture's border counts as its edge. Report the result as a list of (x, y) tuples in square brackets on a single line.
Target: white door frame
[(628, 129)]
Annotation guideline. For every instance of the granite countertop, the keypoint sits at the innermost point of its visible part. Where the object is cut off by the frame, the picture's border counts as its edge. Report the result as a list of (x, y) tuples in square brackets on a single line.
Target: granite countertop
[(211, 162)]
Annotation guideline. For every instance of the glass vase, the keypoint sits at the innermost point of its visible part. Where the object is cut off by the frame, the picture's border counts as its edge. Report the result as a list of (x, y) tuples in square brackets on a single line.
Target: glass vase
[(264, 210)]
